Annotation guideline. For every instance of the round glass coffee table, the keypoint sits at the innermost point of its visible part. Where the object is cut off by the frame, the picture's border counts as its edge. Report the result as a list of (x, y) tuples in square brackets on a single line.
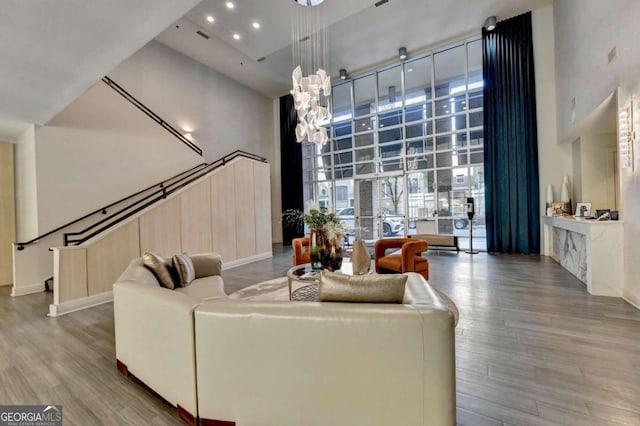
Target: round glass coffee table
[(311, 278)]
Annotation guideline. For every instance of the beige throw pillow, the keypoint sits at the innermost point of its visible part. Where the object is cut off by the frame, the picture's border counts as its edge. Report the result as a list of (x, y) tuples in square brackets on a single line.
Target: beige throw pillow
[(184, 268), (161, 268), (336, 287)]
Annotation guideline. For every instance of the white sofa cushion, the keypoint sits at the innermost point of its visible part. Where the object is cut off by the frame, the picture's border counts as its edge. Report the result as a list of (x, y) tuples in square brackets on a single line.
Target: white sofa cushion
[(204, 288), (282, 363)]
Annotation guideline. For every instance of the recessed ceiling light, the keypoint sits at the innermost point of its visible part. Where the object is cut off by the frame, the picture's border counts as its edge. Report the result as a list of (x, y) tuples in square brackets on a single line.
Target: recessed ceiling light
[(256, 25), (230, 5), (210, 18), (187, 135), (236, 36), (410, 70)]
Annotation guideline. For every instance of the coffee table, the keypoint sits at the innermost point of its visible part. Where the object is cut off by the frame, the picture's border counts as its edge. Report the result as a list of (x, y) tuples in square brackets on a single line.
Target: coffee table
[(305, 274)]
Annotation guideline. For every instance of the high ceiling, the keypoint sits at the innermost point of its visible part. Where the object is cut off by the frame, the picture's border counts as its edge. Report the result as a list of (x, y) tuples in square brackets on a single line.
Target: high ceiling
[(53, 50), (360, 34)]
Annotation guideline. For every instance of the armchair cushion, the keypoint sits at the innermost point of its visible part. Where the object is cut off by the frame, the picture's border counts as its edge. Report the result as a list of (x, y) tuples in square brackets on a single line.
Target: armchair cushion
[(301, 250), (364, 289), (408, 259)]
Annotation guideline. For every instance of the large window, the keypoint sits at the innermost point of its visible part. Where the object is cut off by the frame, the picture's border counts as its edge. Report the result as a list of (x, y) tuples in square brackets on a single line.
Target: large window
[(422, 120)]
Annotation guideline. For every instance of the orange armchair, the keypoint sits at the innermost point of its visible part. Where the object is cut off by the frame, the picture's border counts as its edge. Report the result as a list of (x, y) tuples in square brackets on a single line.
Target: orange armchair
[(301, 250), (408, 259)]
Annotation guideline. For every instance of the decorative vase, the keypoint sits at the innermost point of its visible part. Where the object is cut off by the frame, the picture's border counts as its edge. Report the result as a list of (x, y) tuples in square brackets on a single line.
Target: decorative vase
[(332, 254), (316, 248), (360, 258), (549, 200)]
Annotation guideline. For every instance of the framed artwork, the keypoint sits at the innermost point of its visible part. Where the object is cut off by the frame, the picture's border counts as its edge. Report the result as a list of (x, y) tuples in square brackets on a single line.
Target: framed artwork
[(557, 208), (583, 209)]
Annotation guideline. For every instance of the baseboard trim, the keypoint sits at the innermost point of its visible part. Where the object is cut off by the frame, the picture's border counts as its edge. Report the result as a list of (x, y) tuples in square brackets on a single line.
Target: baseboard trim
[(78, 304), (212, 422), (122, 367), (186, 416), (631, 302), (27, 289), (247, 260)]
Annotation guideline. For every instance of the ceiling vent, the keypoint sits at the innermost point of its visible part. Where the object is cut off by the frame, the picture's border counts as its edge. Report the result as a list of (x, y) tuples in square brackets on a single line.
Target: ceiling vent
[(381, 2), (203, 35)]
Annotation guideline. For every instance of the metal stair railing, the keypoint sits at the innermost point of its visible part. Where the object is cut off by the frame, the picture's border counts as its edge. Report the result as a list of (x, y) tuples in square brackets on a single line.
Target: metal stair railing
[(159, 192), (77, 238)]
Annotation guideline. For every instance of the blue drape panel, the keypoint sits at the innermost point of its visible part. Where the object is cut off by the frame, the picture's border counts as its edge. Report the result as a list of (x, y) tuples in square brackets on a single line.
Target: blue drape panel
[(510, 138), (291, 165)]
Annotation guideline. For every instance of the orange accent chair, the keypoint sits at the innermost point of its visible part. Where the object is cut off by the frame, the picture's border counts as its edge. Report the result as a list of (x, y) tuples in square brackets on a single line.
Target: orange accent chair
[(301, 250), (407, 259)]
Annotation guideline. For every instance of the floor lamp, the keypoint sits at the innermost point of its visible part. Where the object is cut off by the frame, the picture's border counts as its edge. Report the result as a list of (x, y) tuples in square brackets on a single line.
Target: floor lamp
[(470, 214)]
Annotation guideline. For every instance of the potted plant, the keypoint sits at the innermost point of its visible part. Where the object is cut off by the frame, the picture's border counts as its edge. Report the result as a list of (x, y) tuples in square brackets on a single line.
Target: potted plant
[(326, 234)]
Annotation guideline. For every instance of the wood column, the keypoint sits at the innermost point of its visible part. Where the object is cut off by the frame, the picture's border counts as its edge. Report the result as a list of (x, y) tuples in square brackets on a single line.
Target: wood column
[(7, 213)]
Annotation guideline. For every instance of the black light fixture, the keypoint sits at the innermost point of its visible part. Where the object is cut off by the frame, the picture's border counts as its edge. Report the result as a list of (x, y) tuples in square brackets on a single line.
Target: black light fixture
[(490, 23), (343, 74), (308, 2), (402, 53)]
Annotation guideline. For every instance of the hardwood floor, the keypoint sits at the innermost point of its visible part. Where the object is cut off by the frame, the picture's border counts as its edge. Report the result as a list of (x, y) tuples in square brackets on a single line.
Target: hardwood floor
[(532, 348)]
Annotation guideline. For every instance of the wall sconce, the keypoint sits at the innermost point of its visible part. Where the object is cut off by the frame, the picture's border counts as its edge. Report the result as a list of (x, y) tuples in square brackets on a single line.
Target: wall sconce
[(490, 23), (626, 135), (402, 53), (343, 74)]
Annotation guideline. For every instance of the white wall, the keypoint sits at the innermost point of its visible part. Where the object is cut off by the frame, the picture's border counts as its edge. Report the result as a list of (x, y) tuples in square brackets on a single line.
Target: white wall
[(586, 31), (26, 186), (554, 158), (591, 170), (99, 149), (222, 115)]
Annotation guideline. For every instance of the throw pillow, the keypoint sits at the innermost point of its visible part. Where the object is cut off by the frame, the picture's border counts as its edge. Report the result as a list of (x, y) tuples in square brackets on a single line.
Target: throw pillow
[(184, 267), (161, 268), (364, 289)]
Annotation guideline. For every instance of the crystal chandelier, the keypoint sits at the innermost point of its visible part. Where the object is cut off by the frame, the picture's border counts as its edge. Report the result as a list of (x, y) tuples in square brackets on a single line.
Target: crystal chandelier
[(311, 93)]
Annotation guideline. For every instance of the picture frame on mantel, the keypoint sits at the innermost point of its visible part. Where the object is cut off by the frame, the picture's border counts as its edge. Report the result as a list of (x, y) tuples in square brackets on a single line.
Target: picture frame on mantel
[(557, 209), (587, 211)]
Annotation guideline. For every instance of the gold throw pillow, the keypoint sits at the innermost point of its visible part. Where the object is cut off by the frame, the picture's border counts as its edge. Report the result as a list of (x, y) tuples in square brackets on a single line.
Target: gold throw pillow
[(336, 287), (161, 268)]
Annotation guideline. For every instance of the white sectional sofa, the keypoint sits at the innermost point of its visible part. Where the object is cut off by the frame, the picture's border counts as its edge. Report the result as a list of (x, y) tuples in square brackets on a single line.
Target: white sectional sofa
[(154, 329), (284, 363)]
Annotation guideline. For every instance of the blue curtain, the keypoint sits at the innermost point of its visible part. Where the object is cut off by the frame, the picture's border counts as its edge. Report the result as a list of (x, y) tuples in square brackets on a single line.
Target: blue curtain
[(510, 138), (291, 166)]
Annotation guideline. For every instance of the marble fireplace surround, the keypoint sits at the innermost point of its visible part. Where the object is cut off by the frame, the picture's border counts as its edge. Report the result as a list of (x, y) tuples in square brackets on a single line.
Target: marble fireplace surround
[(590, 250)]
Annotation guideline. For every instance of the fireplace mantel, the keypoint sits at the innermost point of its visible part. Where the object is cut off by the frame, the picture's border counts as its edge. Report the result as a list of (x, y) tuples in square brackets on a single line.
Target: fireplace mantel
[(590, 250)]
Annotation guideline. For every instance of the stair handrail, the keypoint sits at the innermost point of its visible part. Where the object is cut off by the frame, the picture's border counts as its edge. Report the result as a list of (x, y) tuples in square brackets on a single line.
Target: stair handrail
[(21, 245), (155, 117), (154, 197)]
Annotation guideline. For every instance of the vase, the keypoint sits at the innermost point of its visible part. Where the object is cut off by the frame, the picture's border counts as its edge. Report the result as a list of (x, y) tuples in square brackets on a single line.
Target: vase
[(316, 248), (332, 254), (360, 258)]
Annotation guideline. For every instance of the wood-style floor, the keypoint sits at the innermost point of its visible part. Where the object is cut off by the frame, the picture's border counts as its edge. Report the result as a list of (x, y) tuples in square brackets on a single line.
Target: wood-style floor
[(532, 348)]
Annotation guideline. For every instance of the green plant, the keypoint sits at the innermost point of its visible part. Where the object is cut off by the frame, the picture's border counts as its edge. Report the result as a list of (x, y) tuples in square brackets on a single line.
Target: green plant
[(318, 218)]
